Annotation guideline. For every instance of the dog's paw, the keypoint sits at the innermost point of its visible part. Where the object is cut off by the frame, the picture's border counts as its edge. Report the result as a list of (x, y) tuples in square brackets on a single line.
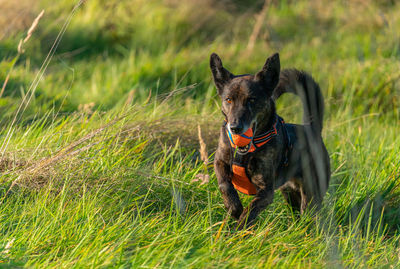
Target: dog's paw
[(244, 222), (240, 225), (244, 226)]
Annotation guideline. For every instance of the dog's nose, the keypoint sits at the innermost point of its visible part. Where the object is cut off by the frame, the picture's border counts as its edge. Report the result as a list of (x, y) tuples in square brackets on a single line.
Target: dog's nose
[(237, 128)]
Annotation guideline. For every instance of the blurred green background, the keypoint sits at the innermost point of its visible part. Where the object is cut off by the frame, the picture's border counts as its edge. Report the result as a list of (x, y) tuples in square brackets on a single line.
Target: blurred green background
[(112, 48)]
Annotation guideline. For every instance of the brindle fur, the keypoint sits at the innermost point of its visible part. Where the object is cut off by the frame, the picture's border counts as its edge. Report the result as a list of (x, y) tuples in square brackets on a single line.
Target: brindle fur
[(251, 103)]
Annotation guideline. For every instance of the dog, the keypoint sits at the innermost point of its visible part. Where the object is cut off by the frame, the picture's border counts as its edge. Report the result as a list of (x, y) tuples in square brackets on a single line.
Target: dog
[(278, 155)]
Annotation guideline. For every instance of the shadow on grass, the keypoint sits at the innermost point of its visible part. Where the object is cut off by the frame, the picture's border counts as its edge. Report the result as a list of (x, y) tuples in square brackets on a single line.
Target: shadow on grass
[(379, 210)]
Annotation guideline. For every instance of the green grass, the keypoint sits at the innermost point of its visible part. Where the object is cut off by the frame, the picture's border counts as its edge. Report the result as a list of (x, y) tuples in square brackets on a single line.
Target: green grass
[(99, 169)]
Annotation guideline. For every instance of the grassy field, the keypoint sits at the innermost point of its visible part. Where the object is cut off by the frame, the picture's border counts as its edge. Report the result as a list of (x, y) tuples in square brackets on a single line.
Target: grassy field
[(99, 146)]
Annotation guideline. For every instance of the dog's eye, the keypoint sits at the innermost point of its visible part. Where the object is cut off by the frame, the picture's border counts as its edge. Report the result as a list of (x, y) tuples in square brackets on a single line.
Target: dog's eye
[(228, 100), (251, 100)]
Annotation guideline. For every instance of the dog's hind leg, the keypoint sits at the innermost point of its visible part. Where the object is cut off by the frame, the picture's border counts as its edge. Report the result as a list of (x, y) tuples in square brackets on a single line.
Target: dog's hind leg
[(312, 192), (300, 194), (315, 180), (292, 197)]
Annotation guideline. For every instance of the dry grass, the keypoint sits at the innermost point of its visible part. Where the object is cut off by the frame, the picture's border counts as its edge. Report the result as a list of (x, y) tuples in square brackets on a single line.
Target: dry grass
[(16, 17), (203, 177), (36, 173), (11, 163)]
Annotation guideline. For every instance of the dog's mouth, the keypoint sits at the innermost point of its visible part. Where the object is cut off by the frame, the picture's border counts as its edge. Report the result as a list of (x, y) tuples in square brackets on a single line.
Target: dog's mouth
[(244, 149)]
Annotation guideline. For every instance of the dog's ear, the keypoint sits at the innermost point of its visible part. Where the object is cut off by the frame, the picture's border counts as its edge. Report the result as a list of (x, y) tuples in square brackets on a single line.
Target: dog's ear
[(269, 75), (220, 74)]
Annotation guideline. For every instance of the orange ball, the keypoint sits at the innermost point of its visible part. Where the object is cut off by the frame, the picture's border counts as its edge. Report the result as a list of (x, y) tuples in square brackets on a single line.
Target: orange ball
[(243, 139)]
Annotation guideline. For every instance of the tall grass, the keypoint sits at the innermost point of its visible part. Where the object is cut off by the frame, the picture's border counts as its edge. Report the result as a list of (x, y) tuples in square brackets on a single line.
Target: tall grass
[(101, 168)]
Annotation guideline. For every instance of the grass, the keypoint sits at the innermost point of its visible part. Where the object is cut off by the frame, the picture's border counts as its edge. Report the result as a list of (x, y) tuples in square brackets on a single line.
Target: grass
[(99, 170)]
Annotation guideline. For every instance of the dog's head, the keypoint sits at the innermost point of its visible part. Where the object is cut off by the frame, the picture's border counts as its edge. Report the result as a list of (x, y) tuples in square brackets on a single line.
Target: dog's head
[(245, 98)]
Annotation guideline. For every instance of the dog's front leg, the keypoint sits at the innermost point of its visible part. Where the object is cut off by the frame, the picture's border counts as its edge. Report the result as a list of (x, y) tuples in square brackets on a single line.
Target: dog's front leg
[(229, 194), (264, 197)]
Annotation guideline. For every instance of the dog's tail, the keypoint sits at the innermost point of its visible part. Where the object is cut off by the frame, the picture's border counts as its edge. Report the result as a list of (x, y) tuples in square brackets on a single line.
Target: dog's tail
[(304, 86)]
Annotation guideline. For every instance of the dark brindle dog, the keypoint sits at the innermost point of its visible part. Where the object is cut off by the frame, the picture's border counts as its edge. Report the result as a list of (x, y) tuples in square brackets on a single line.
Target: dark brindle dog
[(290, 157)]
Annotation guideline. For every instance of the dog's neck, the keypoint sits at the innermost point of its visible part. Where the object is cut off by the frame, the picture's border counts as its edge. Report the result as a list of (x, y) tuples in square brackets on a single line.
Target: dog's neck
[(266, 123)]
